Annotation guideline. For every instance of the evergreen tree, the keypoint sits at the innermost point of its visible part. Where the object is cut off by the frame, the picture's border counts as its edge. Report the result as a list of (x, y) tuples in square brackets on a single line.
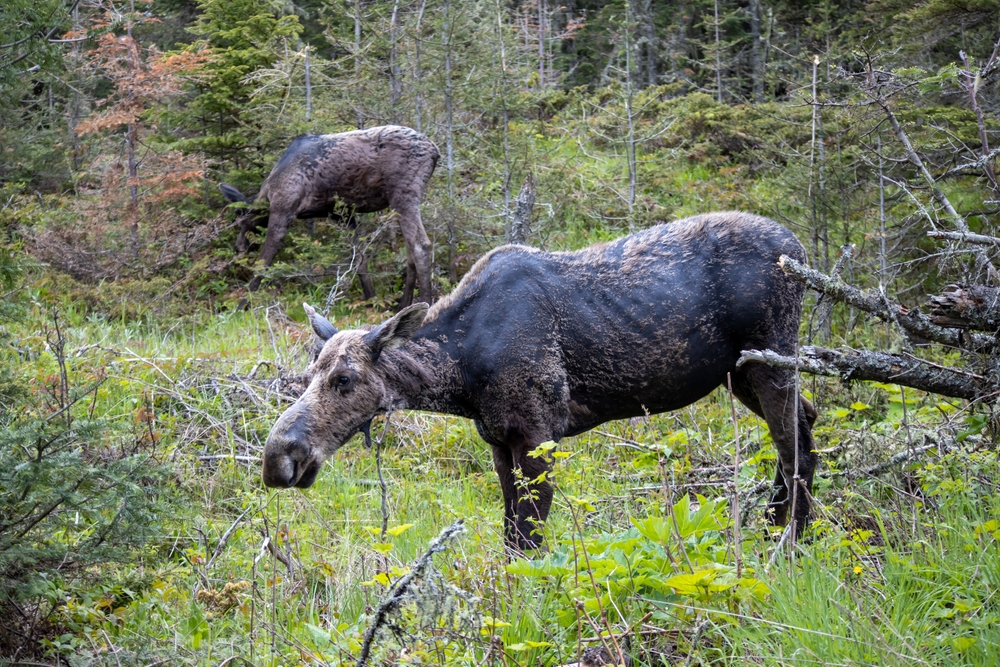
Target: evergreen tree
[(240, 36)]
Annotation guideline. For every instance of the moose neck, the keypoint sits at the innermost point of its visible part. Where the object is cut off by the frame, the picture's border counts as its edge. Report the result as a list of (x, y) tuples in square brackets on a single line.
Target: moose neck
[(422, 375)]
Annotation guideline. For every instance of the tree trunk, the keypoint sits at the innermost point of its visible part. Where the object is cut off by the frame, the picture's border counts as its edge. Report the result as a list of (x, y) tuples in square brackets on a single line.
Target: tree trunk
[(449, 142), (416, 62), (520, 226), (541, 44), (133, 186), (395, 80), (308, 87), (756, 52), (648, 40), (506, 125), (357, 57), (630, 119), (718, 55), (131, 140)]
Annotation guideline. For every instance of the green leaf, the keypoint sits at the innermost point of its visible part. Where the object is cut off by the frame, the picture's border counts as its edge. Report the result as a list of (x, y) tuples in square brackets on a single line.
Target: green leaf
[(692, 584), (554, 564), (399, 530), (654, 528)]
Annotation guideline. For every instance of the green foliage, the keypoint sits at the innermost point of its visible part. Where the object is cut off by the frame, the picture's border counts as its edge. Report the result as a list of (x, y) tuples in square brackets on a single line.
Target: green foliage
[(242, 37), (659, 563), (28, 28), (74, 494)]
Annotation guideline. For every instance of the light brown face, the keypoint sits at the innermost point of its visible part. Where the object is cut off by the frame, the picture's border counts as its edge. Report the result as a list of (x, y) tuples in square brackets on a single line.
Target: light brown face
[(345, 391)]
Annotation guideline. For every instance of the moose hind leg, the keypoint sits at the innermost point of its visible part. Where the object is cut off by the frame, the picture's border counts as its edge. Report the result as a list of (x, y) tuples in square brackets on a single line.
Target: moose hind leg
[(534, 497), (418, 246), (790, 425), (409, 282)]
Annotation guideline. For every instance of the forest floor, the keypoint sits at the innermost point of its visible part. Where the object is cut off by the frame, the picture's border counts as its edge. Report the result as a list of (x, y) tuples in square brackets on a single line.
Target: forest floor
[(900, 567)]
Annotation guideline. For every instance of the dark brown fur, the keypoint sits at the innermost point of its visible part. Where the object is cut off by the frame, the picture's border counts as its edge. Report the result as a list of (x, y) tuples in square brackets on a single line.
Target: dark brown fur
[(537, 346), (366, 171)]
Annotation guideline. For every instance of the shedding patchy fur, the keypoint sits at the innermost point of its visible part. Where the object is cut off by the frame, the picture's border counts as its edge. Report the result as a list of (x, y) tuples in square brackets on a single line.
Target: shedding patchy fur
[(366, 171), (537, 346)]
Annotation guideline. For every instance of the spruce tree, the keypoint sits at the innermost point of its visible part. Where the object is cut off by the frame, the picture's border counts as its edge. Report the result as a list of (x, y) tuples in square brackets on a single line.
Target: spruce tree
[(242, 36)]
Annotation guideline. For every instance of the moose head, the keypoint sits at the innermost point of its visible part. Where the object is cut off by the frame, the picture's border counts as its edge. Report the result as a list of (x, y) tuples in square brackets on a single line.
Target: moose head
[(349, 383)]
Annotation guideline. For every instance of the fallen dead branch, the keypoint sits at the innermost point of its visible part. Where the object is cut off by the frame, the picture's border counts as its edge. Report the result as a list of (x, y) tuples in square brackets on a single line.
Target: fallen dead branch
[(885, 309), (972, 307), (879, 468), (875, 366), (398, 592)]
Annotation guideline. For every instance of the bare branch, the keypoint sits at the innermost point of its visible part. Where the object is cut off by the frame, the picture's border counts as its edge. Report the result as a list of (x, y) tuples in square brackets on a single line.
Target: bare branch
[(983, 161), (967, 237), (873, 303), (866, 365)]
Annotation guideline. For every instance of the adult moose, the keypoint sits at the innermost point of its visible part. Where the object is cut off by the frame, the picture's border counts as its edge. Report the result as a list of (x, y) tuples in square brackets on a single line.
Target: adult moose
[(537, 346), (364, 170)]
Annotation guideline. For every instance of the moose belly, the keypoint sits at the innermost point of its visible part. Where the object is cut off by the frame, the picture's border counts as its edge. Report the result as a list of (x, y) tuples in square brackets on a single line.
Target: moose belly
[(660, 388)]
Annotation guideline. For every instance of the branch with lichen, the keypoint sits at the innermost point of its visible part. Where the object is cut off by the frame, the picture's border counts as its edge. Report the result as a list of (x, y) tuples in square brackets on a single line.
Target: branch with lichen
[(905, 370), (399, 591), (885, 309)]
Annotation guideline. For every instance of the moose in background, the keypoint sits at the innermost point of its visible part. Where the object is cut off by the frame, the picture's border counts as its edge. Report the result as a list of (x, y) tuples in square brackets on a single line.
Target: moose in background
[(364, 171)]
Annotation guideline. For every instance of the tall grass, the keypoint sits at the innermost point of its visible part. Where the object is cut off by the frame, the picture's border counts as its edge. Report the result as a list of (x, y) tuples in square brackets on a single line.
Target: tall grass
[(902, 567)]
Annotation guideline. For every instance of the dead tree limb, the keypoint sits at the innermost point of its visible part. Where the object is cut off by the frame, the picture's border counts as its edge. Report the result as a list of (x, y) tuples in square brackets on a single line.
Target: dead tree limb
[(966, 237), (904, 456), (984, 162), (399, 591), (849, 365), (972, 307), (873, 303), (520, 225)]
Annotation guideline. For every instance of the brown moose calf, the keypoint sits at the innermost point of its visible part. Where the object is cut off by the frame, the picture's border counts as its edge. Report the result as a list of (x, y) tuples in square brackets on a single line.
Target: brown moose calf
[(537, 346), (365, 170)]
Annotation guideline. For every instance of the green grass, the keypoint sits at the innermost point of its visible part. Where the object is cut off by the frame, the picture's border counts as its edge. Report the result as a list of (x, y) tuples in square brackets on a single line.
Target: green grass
[(884, 577)]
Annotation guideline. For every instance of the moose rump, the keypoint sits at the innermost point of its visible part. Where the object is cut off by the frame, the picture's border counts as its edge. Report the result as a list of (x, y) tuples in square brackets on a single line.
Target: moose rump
[(537, 346)]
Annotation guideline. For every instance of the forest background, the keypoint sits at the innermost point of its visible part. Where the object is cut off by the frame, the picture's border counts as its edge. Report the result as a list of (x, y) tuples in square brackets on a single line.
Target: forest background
[(136, 393)]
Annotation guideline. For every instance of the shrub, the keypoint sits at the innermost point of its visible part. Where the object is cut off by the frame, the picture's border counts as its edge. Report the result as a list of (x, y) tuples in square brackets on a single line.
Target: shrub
[(74, 495)]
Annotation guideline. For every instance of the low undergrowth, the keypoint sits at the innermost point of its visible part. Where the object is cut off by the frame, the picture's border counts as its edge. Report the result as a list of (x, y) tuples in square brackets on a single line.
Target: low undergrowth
[(656, 546)]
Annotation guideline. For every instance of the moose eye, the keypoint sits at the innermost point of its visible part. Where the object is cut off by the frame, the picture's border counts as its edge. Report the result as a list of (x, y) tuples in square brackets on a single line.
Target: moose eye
[(341, 381)]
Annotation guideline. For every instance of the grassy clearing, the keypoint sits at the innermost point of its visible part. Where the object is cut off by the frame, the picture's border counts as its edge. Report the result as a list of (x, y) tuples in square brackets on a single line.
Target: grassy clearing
[(900, 567)]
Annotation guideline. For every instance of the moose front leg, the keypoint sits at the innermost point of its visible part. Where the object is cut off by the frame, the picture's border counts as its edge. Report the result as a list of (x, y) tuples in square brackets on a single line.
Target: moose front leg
[(504, 466)]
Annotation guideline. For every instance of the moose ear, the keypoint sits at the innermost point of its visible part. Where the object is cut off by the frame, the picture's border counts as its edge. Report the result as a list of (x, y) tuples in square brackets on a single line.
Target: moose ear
[(397, 330), (320, 325), (233, 195)]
